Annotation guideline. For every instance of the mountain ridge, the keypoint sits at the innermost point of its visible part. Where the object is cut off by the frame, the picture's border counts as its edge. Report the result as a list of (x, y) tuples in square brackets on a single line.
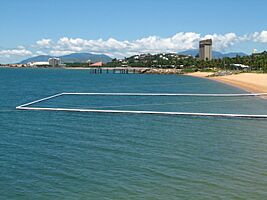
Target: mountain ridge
[(215, 54), (71, 58), (84, 57)]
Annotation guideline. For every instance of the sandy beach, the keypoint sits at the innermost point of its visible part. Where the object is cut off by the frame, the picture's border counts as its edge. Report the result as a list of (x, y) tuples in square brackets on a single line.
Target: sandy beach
[(251, 82)]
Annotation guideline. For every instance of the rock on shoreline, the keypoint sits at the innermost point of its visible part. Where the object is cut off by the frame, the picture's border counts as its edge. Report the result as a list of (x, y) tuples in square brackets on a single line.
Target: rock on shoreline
[(161, 71)]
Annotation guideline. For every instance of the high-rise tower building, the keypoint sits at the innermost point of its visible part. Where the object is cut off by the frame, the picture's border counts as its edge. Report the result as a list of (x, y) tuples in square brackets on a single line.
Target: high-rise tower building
[(54, 62), (205, 49)]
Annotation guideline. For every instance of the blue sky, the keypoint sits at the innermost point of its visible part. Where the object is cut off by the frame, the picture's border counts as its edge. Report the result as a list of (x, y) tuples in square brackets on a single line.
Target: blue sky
[(123, 27)]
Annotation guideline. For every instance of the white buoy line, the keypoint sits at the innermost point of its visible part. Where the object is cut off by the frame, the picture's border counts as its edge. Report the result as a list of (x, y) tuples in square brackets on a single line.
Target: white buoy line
[(166, 94), (26, 105)]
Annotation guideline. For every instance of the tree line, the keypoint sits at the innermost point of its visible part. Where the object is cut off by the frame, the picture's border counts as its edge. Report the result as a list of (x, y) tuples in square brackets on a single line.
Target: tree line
[(256, 62)]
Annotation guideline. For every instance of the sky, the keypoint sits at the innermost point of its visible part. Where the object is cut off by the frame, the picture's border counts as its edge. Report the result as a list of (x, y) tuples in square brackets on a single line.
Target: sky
[(122, 28)]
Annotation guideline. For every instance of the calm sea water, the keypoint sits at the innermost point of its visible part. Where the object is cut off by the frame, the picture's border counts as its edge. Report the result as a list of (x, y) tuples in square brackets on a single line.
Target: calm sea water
[(60, 155)]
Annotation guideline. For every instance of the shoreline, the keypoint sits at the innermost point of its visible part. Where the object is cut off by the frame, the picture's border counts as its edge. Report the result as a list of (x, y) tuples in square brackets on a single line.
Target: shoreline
[(137, 70), (250, 82)]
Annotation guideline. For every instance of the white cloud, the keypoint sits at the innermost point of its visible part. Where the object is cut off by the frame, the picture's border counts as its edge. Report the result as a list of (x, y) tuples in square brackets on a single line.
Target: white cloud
[(44, 42), (15, 52), (260, 37), (152, 44), (40, 53), (221, 42), (178, 42), (20, 47), (60, 53), (12, 55), (122, 48)]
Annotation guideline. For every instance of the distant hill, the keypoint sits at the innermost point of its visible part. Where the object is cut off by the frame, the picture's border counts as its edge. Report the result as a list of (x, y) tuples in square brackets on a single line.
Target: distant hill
[(215, 54), (71, 58), (41, 58)]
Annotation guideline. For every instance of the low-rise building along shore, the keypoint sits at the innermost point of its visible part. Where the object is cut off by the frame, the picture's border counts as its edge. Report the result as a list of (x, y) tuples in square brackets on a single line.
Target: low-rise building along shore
[(52, 62)]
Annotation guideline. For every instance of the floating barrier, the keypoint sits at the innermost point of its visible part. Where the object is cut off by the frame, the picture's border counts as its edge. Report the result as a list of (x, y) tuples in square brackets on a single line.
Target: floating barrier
[(26, 106), (166, 94)]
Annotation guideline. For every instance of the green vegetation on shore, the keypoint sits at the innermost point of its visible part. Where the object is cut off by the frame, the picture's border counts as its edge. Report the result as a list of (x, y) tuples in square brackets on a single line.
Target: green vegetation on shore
[(77, 64), (256, 62)]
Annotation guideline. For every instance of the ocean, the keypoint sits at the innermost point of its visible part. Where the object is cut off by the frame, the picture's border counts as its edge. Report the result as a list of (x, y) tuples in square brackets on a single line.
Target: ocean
[(63, 155)]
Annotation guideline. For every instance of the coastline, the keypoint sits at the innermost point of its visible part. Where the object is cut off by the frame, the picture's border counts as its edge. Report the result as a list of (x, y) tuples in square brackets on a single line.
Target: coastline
[(251, 82), (138, 70)]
